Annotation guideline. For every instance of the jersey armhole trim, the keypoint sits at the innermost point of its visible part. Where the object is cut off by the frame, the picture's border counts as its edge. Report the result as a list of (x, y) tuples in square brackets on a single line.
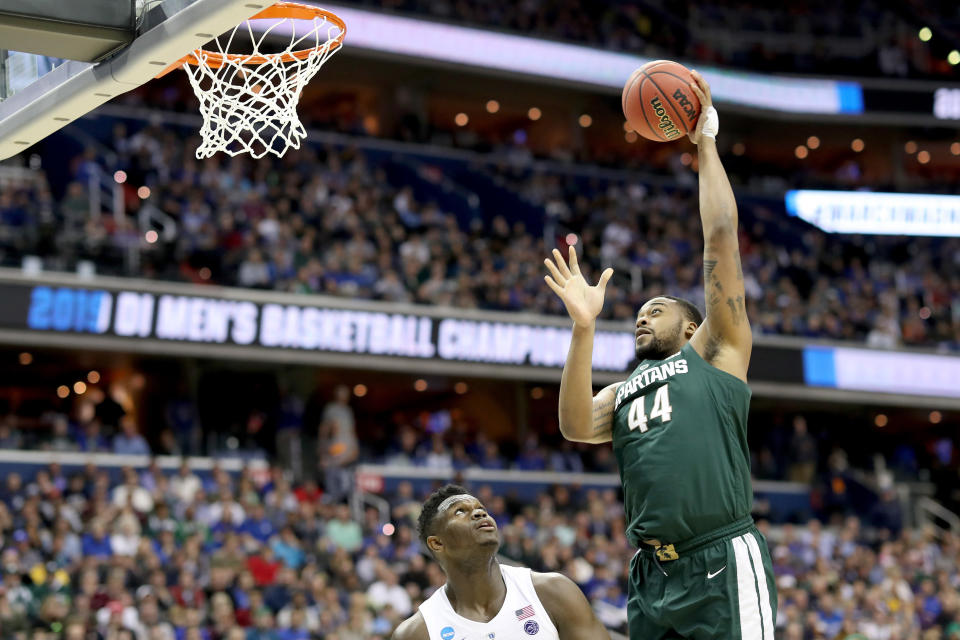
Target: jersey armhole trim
[(718, 372)]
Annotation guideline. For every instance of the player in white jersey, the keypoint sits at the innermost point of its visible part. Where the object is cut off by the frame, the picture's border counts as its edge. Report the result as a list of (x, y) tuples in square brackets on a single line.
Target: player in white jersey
[(482, 599)]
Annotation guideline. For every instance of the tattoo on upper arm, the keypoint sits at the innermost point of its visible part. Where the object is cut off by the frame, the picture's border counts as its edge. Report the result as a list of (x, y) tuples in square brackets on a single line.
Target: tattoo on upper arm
[(713, 289), (708, 267), (738, 311), (601, 417)]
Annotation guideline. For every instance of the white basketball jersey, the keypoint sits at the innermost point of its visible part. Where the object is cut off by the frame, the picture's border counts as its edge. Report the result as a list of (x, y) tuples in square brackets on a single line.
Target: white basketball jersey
[(521, 616)]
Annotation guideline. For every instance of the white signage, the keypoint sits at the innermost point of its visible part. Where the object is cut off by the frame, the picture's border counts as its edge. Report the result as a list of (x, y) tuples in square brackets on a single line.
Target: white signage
[(909, 214), (912, 373), (134, 314), (946, 104)]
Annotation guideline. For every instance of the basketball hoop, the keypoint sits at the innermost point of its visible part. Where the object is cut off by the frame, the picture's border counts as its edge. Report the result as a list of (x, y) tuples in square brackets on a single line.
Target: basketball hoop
[(249, 100)]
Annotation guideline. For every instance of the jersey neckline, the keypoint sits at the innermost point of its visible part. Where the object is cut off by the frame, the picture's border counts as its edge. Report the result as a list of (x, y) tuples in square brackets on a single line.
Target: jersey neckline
[(468, 621)]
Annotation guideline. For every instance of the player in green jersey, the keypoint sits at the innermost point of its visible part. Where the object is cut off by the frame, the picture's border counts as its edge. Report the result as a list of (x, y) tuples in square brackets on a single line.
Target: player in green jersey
[(678, 425)]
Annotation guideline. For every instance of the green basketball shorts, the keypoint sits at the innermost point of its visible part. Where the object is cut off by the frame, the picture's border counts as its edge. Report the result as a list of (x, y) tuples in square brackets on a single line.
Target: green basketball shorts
[(720, 586)]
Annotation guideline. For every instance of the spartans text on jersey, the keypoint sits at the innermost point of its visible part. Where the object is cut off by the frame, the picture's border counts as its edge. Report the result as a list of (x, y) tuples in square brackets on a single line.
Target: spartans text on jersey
[(659, 373)]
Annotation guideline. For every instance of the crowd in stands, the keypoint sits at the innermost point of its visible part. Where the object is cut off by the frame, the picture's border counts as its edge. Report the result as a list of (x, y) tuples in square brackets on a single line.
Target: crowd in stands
[(145, 554), (816, 36), (340, 221), (824, 452)]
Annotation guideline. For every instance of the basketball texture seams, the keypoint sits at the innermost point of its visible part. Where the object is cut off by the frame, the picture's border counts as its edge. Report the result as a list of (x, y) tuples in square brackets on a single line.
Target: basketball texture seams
[(658, 103)]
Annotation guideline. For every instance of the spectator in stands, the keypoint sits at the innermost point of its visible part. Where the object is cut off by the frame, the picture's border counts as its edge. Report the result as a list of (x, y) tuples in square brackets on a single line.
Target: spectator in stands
[(387, 591), (342, 531), (337, 445), (129, 441), (185, 484), (10, 438), (803, 453), (91, 440)]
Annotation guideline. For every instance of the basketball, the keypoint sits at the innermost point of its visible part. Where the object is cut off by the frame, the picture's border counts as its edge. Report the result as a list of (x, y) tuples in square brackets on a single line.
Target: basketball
[(658, 103)]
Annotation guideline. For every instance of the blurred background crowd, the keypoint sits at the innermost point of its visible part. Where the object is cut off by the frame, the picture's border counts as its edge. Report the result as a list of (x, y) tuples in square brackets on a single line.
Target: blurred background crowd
[(340, 221), (151, 554), (445, 188), (852, 38)]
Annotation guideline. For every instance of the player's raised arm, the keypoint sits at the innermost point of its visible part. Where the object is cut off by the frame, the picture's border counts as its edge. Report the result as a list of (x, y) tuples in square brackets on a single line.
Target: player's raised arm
[(583, 418), (724, 339)]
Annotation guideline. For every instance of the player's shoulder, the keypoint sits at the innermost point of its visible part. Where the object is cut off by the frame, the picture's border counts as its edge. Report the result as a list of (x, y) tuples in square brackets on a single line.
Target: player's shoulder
[(556, 588), (413, 628)]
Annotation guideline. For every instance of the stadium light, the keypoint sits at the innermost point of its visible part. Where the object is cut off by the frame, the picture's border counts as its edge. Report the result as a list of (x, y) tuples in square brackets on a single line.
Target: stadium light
[(801, 151), (585, 120), (923, 157), (26, 358), (926, 34), (910, 147), (857, 145), (813, 142), (955, 148), (953, 57), (493, 106), (461, 119), (534, 113)]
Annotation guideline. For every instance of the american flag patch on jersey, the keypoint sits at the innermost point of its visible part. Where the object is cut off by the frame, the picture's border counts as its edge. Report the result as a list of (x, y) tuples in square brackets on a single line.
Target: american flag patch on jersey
[(526, 612)]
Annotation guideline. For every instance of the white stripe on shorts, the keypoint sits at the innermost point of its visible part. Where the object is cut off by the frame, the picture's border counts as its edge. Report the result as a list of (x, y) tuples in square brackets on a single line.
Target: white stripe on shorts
[(751, 623), (765, 612)]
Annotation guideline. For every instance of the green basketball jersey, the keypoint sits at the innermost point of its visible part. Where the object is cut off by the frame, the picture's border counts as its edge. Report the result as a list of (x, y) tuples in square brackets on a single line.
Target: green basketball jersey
[(680, 438)]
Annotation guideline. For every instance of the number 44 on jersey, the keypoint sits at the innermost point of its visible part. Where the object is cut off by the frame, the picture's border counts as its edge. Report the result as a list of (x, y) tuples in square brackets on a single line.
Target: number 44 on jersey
[(637, 417)]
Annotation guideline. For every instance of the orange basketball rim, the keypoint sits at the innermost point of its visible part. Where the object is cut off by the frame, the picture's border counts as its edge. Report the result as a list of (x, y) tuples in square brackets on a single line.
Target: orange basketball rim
[(280, 10)]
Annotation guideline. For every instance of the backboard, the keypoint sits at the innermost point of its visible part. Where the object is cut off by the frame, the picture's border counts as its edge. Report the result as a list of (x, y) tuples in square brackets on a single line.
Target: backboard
[(40, 94)]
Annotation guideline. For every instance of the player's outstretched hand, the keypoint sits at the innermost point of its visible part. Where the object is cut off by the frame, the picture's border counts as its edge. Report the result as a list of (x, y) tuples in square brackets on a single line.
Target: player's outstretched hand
[(583, 302), (701, 89)]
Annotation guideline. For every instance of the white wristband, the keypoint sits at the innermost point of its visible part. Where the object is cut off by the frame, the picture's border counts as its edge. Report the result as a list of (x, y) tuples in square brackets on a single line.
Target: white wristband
[(712, 125)]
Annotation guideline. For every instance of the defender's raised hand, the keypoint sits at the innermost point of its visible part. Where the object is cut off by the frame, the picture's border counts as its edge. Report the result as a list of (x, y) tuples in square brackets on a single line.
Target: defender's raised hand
[(583, 302)]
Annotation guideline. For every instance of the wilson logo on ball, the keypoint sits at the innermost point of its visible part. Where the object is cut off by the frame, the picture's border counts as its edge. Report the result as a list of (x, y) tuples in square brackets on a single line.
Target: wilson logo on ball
[(666, 124), (684, 103)]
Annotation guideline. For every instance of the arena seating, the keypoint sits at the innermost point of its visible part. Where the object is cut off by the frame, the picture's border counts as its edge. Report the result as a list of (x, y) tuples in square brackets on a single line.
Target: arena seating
[(854, 38), (407, 229), (161, 554)]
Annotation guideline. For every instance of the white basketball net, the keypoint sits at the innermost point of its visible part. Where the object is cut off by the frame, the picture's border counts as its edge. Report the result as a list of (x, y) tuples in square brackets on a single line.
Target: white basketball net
[(252, 108)]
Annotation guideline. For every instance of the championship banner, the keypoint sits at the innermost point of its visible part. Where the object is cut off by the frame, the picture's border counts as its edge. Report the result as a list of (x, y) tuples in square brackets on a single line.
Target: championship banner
[(137, 315)]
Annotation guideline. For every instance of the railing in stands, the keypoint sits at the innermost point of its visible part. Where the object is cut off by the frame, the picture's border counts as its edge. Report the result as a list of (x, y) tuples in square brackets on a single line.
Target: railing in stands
[(931, 513), (10, 458)]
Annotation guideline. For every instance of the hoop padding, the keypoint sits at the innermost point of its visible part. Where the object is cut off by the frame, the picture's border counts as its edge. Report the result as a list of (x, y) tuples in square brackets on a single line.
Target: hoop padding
[(249, 101)]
